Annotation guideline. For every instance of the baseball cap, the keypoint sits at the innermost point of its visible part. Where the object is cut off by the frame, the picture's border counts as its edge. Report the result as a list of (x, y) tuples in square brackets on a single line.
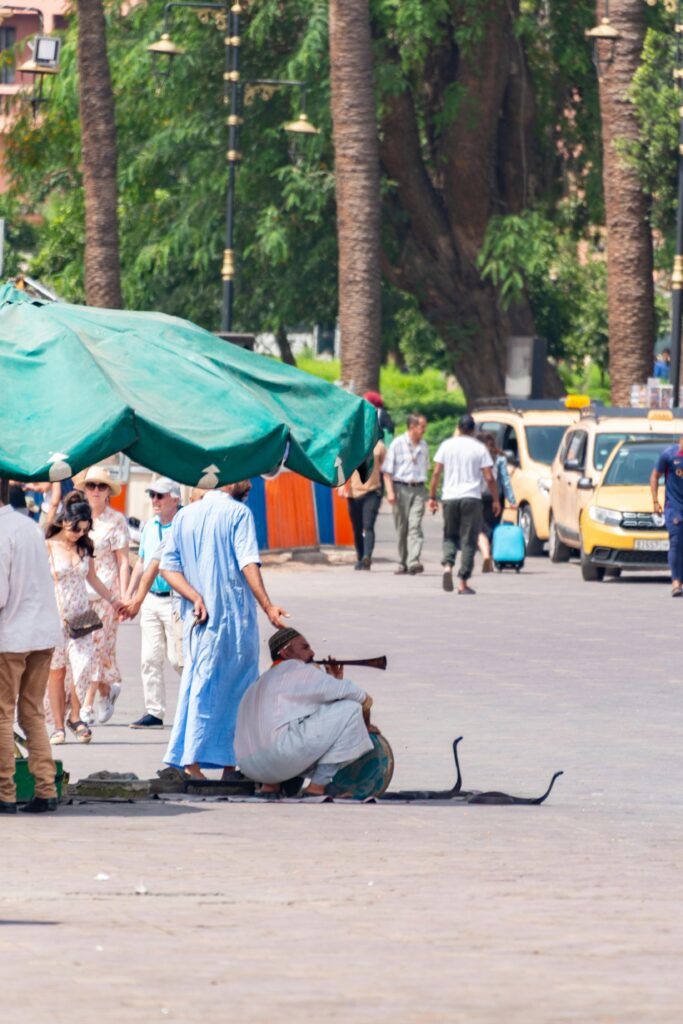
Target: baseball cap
[(164, 485)]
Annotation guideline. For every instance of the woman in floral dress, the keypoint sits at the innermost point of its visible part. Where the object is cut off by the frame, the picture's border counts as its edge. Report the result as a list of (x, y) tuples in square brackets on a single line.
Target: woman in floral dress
[(70, 555), (111, 539)]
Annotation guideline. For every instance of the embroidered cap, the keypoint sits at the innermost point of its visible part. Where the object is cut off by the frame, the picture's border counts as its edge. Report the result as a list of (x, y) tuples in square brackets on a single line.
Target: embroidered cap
[(280, 639)]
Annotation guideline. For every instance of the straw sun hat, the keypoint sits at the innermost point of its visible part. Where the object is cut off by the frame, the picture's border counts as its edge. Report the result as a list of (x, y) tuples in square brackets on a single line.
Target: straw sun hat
[(100, 475)]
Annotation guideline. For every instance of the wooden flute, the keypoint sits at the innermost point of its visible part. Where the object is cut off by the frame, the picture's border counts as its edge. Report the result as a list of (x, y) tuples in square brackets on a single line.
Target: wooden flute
[(380, 662)]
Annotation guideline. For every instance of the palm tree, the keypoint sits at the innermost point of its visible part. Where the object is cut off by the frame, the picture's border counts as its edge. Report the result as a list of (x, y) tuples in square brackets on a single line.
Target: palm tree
[(354, 122), (630, 286), (98, 140)]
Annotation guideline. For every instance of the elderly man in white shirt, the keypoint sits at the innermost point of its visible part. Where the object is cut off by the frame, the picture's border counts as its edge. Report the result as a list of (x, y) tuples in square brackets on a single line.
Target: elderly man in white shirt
[(29, 629), (405, 470), (300, 719)]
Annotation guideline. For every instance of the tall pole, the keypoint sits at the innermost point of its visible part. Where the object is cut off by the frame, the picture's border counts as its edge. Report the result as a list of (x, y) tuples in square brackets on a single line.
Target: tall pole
[(231, 79), (677, 277)]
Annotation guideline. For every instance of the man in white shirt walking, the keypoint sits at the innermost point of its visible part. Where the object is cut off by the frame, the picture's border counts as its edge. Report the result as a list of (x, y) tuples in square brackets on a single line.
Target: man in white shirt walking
[(405, 470), (463, 461), (30, 628)]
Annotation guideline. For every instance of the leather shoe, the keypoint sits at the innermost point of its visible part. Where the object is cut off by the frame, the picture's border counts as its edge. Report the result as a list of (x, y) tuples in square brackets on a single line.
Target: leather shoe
[(40, 804), (7, 807), (401, 571), (416, 568)]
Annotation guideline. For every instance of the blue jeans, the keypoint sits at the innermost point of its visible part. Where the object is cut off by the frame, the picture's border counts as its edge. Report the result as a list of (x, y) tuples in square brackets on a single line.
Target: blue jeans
[(674, 524)]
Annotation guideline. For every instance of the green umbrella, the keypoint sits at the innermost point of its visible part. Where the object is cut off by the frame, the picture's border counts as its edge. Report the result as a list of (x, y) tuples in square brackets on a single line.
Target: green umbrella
[(80, 383)]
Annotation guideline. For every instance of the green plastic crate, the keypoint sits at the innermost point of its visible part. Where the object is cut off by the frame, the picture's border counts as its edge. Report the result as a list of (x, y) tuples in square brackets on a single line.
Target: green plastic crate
[(26, 783)]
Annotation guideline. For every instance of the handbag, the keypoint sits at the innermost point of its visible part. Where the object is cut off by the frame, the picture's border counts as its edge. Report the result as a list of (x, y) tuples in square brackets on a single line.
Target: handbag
[(83, 624), (79, 625)]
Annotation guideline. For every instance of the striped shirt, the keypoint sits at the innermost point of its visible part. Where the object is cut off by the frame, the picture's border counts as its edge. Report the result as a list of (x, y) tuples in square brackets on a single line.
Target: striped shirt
[(405, 462)]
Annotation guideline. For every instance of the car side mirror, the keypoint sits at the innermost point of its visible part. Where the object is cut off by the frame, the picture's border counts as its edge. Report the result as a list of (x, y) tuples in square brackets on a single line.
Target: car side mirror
[(573, 465), (584, 483), (511, 457)]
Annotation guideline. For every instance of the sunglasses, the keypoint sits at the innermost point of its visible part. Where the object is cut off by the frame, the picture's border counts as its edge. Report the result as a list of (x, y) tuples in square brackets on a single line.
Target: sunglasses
[(78, 529), (91, 486), (155, 494)]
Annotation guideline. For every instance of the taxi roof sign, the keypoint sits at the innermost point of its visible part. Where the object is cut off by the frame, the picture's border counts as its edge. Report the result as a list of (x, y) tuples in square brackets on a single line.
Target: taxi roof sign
[(577, 401)]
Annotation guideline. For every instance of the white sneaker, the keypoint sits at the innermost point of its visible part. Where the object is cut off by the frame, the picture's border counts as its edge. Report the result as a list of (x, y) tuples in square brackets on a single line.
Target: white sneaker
[(107, 703), (87, 715)]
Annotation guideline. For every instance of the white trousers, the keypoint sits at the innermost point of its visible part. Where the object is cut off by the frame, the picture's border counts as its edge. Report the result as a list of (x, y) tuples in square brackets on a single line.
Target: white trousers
[(160, 640)]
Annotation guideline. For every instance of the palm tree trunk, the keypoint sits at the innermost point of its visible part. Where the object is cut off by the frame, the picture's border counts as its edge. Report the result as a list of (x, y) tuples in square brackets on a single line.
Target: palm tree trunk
[(630, 286), (98, 140), (354, 121)]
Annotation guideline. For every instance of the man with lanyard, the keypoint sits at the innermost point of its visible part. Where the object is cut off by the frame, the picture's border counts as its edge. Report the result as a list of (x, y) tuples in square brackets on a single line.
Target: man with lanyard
[(158, 624), (405, 474), (670, 463)]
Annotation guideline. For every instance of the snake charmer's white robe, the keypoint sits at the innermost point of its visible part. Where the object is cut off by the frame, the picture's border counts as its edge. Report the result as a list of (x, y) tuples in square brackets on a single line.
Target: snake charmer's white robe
[(295, 716)]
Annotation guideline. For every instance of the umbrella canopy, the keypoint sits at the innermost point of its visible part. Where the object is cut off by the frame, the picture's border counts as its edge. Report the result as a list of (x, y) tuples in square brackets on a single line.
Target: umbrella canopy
[(80, 383)]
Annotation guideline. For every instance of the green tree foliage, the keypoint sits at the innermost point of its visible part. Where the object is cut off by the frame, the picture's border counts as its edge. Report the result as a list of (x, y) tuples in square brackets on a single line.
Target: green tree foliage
[(565, 282), (173, 173), (656, 96)]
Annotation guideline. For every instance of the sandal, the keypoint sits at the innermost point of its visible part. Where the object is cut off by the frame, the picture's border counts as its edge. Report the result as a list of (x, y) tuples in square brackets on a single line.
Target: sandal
[(58, 737), (80, 730)]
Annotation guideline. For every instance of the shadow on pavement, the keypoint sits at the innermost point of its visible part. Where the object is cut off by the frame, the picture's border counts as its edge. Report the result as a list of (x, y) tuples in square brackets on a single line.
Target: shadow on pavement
[(630, 580), (128, 809)]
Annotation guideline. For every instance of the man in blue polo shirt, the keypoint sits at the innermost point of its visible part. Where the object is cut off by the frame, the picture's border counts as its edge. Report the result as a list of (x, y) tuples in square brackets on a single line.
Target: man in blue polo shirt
[(159, 635), (670, 463)]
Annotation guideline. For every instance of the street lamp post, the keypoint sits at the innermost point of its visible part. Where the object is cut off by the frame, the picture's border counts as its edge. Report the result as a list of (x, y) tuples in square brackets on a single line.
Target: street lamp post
[(677, 275), (233, 97), (44, 59)]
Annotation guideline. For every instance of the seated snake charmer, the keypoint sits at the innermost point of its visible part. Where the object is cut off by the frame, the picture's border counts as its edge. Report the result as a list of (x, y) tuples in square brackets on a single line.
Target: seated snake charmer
[(300, 719)]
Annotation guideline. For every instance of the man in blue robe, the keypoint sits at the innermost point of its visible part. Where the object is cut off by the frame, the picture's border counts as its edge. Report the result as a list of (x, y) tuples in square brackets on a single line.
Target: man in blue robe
[(212, 559)]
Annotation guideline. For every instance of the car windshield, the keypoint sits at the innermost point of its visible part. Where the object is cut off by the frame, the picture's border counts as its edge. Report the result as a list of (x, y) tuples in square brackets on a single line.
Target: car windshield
[(606, 443), (633, 463), (543, 442)]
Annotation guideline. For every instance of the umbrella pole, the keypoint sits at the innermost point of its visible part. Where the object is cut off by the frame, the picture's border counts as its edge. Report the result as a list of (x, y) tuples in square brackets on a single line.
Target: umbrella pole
[(4, 491)]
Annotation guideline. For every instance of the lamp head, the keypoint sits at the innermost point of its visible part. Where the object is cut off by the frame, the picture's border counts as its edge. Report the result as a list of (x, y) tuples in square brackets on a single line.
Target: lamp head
[(44, 59), (605, 38), (302, 126), (163, 51), (166, 47)]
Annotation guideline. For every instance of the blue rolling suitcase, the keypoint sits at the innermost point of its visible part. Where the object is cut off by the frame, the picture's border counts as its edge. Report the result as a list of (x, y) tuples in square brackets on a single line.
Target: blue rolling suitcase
[(508, 547)]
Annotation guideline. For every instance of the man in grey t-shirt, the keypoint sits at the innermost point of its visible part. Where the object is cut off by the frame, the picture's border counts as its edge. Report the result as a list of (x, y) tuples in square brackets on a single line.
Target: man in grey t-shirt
[(462, 460)]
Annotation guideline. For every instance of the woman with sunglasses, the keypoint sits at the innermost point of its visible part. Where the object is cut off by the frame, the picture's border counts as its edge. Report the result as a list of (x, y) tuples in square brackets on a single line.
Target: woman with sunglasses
[(111, 540), (70, 553)]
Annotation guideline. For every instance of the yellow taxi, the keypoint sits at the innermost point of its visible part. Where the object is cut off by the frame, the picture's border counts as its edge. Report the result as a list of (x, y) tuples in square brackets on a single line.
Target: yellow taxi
[(582, 456), (618, 527), (528, 432)]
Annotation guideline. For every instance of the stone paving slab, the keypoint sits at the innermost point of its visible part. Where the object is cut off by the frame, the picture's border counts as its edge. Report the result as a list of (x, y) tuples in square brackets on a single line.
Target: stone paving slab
[(565, 913)]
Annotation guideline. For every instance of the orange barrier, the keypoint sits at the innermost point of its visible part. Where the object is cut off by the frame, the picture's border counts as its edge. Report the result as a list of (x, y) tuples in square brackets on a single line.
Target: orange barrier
[(119, 502), (343, 531), (290, 512)]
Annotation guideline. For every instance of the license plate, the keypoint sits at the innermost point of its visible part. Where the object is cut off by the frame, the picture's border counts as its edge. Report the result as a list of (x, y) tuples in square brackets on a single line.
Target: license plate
[(652, 545)]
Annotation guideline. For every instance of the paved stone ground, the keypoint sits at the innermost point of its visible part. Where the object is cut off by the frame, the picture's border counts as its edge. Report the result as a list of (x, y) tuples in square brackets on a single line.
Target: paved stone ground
[(568, 912)]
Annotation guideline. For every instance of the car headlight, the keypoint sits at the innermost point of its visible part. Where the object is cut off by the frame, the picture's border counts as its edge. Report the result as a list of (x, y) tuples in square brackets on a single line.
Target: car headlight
[(606, 516), (544, 483)]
